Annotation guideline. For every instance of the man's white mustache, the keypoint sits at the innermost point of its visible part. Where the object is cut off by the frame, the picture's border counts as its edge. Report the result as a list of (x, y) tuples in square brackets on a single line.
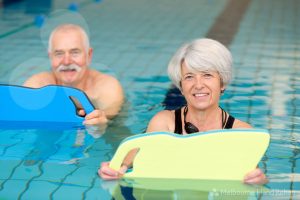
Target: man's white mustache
[(68, 67)]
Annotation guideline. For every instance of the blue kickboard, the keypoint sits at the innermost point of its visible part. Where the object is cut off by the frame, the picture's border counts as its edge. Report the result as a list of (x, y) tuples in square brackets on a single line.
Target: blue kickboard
[(51, 103)]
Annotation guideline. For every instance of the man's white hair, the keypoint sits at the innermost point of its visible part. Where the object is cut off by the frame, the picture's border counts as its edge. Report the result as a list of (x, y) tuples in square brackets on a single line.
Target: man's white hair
[(202, 55), (69, 27)]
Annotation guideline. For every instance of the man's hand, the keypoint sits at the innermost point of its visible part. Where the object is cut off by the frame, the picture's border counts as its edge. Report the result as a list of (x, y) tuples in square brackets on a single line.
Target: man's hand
[(97, 117)]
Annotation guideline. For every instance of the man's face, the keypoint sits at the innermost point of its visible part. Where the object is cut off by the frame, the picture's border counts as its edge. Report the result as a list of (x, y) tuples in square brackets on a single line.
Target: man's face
[(69, 57)]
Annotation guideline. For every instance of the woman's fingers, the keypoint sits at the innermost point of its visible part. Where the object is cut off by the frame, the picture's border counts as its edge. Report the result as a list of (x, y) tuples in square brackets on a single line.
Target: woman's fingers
[(106, 173), (255, 177)]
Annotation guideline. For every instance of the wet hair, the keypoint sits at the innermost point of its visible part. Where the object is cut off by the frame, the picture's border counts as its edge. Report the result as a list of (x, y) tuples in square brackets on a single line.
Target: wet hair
[(68, 27), (201, 55)]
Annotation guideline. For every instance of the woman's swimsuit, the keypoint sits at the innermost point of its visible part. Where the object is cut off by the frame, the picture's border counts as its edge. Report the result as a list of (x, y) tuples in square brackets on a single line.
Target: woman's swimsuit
[(178, 122)]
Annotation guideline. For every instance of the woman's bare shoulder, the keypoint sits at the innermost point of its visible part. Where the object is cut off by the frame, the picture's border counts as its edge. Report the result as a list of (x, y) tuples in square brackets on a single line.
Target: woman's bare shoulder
[(165, 114), (162, 121), (241, 124)]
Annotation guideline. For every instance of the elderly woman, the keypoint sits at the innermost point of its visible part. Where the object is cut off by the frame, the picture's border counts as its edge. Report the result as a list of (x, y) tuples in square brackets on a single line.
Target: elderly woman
[(201, 69)]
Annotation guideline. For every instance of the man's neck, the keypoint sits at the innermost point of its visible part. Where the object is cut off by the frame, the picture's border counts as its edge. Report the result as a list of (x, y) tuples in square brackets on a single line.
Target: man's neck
[(82, 84)]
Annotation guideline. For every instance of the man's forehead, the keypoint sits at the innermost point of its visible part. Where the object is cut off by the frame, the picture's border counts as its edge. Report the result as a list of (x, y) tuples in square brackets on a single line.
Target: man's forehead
[(67, 34), (66, 47), (72, 49), (67, 40), (68, 31)]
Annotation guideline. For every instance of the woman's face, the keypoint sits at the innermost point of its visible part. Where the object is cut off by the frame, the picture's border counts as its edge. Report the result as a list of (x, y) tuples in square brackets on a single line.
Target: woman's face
[(201, 89)]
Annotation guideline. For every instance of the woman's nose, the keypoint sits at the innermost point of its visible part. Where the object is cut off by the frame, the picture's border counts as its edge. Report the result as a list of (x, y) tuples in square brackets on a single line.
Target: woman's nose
[(198, 82)]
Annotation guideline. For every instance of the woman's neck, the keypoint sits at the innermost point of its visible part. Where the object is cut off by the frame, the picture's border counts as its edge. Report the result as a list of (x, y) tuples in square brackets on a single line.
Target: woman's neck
[(204, 120)]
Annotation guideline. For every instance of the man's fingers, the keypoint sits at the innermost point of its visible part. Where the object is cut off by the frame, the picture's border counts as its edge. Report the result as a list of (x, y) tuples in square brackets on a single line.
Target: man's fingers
[(95, 114), (95, 117), (81, 112)]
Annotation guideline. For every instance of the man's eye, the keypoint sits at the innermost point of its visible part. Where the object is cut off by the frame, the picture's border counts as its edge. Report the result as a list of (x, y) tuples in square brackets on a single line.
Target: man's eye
[(75, 53), (58, 54)]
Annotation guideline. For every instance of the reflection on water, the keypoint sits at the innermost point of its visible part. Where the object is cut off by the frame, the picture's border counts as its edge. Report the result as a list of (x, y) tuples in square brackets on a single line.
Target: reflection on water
[(45, 145), (56, 158), (139, 189), (69, 158), (187, 189)]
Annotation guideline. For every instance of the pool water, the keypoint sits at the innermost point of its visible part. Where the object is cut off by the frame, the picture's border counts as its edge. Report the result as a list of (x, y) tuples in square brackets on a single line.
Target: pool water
[(134, 40)]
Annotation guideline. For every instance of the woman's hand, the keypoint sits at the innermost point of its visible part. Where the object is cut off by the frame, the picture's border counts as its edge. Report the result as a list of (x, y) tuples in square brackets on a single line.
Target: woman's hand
[(106, 173), (256, 177)]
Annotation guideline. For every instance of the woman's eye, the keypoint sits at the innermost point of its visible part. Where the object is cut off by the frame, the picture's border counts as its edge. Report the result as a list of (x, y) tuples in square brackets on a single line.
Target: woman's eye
[(188, 77), (207, 75)]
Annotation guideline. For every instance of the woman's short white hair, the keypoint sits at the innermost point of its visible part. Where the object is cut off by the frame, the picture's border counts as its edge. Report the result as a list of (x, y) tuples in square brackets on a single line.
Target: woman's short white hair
[(68, 27), (202, 55)]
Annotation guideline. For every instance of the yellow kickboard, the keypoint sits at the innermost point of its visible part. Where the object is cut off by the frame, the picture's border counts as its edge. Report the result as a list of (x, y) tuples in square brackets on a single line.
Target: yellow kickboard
[(213, 155)]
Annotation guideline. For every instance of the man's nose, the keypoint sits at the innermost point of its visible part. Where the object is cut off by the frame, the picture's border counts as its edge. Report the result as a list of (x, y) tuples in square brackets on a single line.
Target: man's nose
[(67, 60)]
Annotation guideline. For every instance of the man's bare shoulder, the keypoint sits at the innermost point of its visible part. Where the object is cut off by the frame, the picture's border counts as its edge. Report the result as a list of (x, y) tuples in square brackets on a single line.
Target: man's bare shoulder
[(102, 78), (104, 83), (107, 91), (40, 80)]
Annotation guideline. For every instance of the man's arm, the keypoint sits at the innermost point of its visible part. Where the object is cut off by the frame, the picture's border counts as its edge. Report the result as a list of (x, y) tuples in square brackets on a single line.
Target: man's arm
[(39, 80), (110, 97), (116, 101)]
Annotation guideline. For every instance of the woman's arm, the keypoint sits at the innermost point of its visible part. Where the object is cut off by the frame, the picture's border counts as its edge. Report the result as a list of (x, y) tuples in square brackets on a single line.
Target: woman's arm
[(158, 123), (162, 121)]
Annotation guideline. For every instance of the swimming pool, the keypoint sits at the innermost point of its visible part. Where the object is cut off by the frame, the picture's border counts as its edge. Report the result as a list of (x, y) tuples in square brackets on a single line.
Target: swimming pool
[(135, 39)]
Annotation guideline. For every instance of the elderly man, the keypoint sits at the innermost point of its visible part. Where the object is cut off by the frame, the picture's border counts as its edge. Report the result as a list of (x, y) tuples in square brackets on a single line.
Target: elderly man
[(70, 54)]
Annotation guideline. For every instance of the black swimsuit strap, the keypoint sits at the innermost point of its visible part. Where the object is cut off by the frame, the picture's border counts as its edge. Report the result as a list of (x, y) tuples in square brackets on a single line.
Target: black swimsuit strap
[(229, 122), (178, 122)]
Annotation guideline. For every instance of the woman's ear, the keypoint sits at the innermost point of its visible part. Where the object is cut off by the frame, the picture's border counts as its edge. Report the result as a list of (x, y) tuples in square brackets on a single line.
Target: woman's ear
[(180, 88), (223, 89)]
